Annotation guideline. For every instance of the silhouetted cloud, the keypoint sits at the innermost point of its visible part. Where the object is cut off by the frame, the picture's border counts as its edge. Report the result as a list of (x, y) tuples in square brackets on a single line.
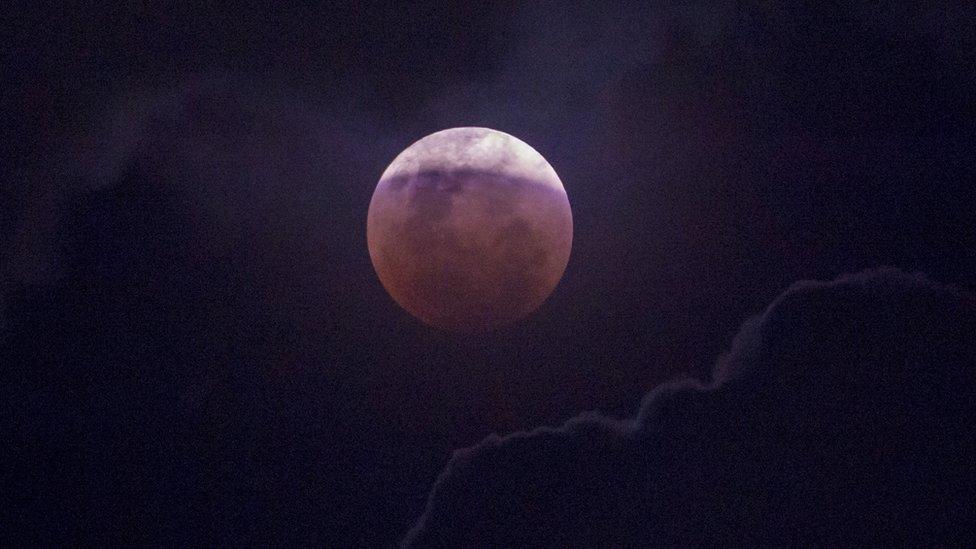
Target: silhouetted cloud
[(843, 413)]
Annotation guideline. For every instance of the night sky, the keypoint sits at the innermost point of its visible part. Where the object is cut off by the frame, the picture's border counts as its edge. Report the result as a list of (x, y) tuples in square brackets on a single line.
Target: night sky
[(196, 350)]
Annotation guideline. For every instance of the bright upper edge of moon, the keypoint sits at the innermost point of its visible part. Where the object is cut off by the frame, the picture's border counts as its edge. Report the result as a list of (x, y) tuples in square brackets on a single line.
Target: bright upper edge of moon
[(482, 149)]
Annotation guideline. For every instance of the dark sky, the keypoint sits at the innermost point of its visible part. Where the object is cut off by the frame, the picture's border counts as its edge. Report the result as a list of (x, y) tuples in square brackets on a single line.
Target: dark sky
[(196, 349)]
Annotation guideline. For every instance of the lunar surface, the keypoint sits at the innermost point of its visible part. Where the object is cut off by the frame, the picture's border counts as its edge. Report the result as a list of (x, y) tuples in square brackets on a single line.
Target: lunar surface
[(469, 229)]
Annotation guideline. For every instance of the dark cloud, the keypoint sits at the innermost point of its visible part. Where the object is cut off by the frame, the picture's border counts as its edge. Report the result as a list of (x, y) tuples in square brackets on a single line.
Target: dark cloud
[(843, 414)]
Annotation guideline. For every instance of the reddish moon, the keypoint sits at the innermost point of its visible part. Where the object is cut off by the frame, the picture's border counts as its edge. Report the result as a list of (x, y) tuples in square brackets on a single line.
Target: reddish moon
[(469, 229)]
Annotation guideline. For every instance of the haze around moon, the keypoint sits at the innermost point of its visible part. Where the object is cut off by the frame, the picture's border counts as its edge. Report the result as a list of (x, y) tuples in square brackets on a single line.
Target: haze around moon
[(469, 229)]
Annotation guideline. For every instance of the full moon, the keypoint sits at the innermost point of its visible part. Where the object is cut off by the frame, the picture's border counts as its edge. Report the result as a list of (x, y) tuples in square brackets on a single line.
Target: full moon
[(469, 229)]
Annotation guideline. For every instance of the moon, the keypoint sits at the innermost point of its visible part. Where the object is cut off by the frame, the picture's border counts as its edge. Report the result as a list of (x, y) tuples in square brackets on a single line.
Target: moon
[(469, 229)]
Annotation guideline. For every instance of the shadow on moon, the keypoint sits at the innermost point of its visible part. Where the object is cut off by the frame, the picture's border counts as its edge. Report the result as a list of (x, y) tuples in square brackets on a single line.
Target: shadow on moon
[(468, 250)]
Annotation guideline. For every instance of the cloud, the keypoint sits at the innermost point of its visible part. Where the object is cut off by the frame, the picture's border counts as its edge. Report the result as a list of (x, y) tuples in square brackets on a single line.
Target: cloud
[(842, 414), (228, 158)]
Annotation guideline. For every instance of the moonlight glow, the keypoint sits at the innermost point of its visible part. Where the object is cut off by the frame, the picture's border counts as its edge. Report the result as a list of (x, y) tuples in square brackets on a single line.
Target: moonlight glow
[(469, 229)]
